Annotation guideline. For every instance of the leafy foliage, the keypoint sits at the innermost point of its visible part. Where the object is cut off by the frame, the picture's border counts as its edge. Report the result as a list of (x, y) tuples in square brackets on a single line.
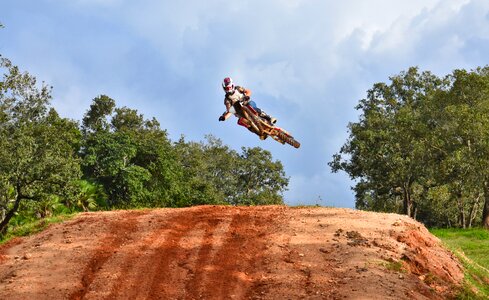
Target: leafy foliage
[(90, 197), (260, 180), (131, 158), (37, 150), (421, 147), (218, 175)]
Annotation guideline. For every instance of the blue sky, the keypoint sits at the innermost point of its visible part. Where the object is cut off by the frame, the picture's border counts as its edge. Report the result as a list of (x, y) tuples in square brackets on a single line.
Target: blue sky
[(308, 63)]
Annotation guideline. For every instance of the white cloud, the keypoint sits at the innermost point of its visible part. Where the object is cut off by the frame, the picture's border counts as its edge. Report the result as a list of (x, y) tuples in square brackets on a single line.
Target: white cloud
[(307, 61)]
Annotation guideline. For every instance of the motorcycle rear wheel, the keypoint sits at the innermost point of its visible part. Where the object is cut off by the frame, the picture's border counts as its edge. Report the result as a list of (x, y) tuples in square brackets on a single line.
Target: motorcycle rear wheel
[(289, 140)]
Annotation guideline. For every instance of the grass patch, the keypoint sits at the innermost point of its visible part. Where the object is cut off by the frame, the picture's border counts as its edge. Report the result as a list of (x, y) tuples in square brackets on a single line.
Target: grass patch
[(33, 227), (395, 266), (471, 246)]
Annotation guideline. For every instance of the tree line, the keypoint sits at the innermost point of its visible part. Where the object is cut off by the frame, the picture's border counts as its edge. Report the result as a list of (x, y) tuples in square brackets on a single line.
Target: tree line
[(421, 148), (114, 158)]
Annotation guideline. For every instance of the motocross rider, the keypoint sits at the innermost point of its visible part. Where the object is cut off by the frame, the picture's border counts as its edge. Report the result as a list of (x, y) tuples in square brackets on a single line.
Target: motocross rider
[(238, 93)]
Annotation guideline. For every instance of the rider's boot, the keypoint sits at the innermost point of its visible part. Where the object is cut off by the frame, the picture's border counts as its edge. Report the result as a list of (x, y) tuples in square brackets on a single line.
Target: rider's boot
[(267, 117)]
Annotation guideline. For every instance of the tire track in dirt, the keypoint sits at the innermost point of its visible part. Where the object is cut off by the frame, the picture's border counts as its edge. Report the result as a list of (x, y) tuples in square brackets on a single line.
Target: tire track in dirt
[(159, 259), (51, 264), (237, 261), (108, 246), (178, 264), (204, 252), (121, 276), (206, 263), (246, 245)]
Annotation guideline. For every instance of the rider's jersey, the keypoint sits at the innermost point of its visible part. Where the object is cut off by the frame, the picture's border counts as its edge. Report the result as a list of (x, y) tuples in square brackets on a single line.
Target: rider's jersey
[(238, 95)]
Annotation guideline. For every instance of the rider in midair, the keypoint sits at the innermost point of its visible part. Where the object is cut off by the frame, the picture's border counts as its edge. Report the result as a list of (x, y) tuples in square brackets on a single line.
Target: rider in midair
[(238, 93)]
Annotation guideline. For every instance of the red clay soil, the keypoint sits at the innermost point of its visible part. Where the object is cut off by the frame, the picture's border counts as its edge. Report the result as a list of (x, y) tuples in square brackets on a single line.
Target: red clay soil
[(220, 252)]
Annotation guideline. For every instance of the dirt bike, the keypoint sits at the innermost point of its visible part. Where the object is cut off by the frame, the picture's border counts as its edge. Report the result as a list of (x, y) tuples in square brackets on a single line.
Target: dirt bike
[(251, 119)]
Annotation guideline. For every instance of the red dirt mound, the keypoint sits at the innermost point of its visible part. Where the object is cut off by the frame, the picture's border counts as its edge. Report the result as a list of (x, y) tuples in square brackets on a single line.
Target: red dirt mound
[(218, 252)]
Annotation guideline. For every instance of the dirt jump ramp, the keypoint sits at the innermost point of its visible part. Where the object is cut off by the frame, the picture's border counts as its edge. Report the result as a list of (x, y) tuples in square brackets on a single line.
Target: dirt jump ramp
[(223, 252)]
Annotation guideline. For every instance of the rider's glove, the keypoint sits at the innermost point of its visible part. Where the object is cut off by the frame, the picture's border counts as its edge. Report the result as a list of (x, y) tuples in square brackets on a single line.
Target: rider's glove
[(246, 100), (221, 118)]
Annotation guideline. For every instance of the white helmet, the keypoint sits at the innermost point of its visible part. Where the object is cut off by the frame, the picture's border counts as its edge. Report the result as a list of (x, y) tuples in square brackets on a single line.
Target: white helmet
[(228, 85)]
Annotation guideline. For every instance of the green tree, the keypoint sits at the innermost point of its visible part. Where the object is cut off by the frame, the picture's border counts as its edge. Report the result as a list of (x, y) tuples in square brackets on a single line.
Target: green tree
[(216, 174), (89, 197), (97, 117), (208, 170), (386, 151), (108, 159), (156, 154), (37, 147), (464, 130), (260, 179), (423, 141), (131, 157)]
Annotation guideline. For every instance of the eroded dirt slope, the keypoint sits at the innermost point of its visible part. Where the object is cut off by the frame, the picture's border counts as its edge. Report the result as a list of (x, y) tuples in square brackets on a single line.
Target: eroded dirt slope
[(217, 252)]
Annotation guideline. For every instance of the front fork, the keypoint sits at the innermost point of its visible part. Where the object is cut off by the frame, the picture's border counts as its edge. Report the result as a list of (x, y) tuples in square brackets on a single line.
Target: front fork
[(245, 118), (245, 123)]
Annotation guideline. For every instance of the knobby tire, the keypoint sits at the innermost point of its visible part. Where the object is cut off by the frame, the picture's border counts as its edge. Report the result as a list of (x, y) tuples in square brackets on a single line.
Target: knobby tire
[(289, 140)]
